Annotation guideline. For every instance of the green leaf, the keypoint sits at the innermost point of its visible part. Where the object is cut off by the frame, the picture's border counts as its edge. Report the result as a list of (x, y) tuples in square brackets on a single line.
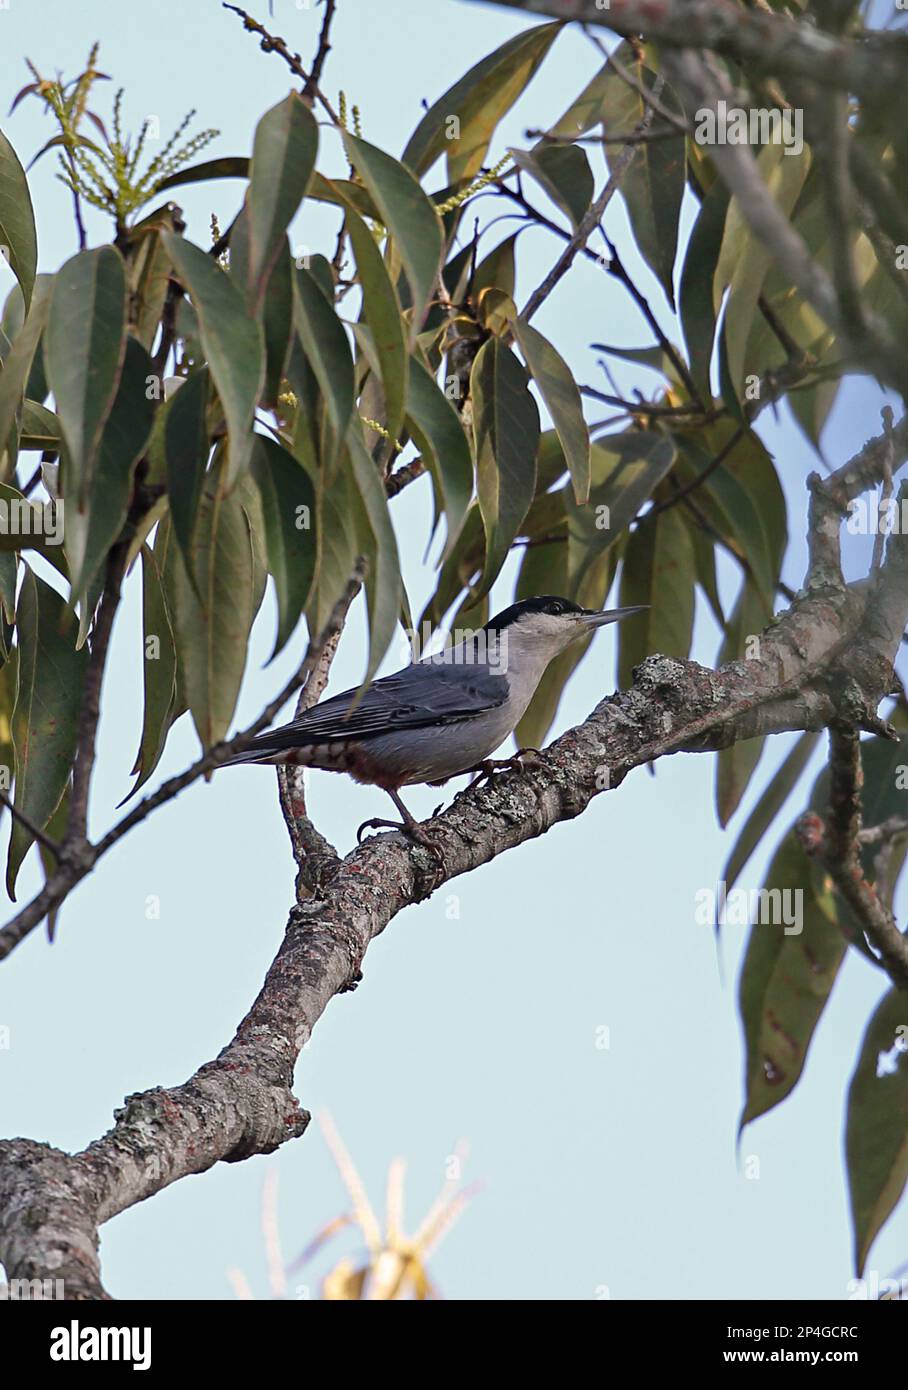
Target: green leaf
[(742, 499), (439, 435), (653, 183), (32, 526), (476, 104), (786, 979), (45, 718), (506, 434), (159, 666), (18, 239), (585, 111), (659, 570), (564, 172), (338, 546), (736, 764), (769, 806), (381, 311), (212, 627), (283, 157), (124, 438), (19, 360), (562, 400), (84, 349), (277, 322), (745, 260), (40, 428), (876, 1132), (277, 310), (379, 545), (227, 167), (148, 272), (327, 349), (186, 452), (698, 301), (289, 513), (233, 342), (409, 216), (626, 470)]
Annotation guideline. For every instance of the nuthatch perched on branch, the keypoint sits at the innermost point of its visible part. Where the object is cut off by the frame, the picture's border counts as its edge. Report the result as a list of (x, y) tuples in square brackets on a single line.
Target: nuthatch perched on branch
[(441, 716)]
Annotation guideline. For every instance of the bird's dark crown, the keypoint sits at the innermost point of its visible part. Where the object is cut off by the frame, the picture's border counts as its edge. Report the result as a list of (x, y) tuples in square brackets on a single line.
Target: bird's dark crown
[(545, 603)]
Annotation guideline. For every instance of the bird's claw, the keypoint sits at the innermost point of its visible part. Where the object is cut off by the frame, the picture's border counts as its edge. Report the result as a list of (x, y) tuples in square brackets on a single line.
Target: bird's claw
[(518, 762), (413, 832), (377, 823)]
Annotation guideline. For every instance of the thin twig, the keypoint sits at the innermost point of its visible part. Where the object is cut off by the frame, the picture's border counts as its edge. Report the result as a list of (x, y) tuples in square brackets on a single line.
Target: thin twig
[(310, 89), (31, 826), (273, 43), (588, 223), (75, 868)]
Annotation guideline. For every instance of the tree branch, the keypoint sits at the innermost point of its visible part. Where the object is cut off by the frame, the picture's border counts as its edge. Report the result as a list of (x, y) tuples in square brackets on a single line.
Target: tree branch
[(765, 43)]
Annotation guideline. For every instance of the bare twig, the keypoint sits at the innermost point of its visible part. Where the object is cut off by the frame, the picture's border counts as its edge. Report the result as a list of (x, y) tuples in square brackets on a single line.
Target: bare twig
[(35, 830), (590, 220), (310, 88), (273, 43)]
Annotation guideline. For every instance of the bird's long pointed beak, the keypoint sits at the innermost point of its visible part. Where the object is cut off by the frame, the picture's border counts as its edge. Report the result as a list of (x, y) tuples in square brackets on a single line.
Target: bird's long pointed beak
[(612, 615)]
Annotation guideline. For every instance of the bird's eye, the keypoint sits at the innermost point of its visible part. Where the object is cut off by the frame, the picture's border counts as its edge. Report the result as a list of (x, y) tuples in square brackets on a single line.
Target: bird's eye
[(556, 608)]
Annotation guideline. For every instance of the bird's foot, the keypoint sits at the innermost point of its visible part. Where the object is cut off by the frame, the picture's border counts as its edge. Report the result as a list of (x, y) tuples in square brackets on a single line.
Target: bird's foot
[(521, 762), (414, 832), (377, 823)]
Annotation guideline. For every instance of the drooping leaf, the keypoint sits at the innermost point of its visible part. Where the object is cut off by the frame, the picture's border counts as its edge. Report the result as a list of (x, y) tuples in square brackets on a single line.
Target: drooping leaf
[(697, 299), (84, 350), (565, 174), (18, 238), (742, 498), (327, 349), (379, 545), (653, 183), (462, 122), (745, 260), (876, 1131), (338, 546), (769, 805), (658, 570), (159, 664), (787, 975), (186, 451), (233, 342), (586, 110), (381, 311), (149, 275), (277, 323), (436, 427), (124, 437), (506, 434), (45, 718), (289, 515), (562, 399), (283, 157), (626, 470), (408, 214), (18, 362), (212, 626), (40, 428)]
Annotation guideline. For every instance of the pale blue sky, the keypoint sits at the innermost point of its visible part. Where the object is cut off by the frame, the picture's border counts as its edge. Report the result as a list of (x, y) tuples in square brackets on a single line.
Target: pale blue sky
[(601, 1167)]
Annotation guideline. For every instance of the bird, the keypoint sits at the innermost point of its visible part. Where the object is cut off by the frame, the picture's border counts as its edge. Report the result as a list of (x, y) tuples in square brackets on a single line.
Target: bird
[(441, 716)]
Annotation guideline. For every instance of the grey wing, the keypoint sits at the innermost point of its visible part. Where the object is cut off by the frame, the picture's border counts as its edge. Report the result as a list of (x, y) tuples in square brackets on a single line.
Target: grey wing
[(420, 696)]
